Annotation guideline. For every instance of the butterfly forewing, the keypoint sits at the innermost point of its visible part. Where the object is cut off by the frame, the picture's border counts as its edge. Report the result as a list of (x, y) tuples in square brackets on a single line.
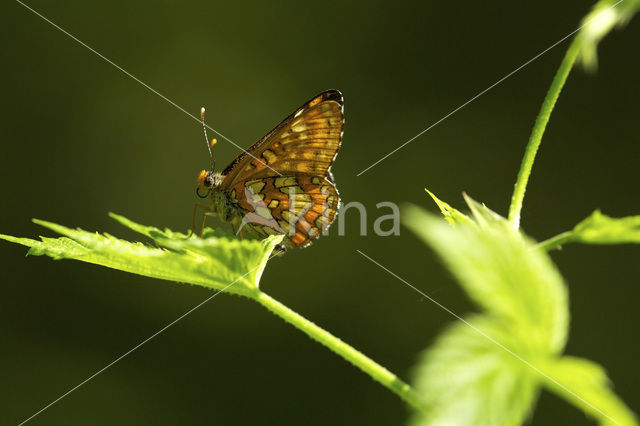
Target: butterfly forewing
[(306, 142)]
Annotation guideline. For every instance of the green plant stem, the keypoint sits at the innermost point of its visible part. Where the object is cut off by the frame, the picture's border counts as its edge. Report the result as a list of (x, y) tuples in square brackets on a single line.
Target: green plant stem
[(554, 242), (538, 130), (349, 353)]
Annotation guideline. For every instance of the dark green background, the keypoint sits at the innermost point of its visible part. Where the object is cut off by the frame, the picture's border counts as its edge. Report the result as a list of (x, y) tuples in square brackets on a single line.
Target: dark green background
[(80, 139)]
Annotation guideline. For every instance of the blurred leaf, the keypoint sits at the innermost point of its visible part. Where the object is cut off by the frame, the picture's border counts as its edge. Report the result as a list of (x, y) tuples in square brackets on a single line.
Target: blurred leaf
[(590, 381), (598, 229), (502, 273), (605, 15), (452, 215), (466, 379), (601, 229), (214, 261), (483, 215)]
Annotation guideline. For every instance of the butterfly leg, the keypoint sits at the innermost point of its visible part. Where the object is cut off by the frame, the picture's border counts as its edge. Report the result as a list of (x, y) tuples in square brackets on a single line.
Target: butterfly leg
[(195, 213), (205, 215)]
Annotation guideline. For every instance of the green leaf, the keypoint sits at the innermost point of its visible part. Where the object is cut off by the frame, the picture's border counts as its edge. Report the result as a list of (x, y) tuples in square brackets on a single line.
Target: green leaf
[(503, 274), (451, 215), (605, 15), (601, 229), (589, 380), (215, 261), (466, 379)]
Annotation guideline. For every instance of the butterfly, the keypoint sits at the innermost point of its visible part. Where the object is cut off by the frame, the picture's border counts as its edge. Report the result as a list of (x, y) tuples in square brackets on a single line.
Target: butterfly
[(282, 184)]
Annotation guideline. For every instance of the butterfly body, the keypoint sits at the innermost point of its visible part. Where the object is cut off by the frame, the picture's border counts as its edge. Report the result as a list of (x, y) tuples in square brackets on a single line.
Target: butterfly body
[(223, 205), (283, 184)]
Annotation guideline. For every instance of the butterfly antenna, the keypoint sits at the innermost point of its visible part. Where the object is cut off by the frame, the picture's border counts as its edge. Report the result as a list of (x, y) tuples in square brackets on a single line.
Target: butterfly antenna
[(206, 139)]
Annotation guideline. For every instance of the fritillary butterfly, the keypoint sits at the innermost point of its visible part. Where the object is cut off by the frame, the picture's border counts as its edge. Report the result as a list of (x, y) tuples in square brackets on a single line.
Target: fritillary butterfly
[(282, 184)]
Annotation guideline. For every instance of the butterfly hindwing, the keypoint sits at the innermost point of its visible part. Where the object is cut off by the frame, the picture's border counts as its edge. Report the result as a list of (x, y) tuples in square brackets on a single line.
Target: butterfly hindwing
[(306, 142), (301, 207)]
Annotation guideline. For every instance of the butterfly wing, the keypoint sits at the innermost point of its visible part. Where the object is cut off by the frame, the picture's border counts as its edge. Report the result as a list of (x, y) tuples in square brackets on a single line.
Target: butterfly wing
[(301, 207), (306, 142)]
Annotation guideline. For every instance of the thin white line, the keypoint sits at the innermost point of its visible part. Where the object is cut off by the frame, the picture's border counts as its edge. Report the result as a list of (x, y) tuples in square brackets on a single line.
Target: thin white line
[(485, 90), (139, 344), (488, 337), (141, 82)]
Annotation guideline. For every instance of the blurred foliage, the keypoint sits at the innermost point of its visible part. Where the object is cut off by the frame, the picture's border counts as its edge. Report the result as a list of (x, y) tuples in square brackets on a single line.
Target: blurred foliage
[(604, 17), (602, 229), (488, 369), (598, 229)]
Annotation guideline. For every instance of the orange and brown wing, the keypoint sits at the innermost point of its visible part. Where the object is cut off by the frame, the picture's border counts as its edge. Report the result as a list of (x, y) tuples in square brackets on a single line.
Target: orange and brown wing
[(306, 142), (300, 207)]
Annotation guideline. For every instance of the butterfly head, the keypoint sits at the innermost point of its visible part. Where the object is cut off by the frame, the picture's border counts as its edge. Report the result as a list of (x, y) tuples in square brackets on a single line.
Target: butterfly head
[(207, 181)]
